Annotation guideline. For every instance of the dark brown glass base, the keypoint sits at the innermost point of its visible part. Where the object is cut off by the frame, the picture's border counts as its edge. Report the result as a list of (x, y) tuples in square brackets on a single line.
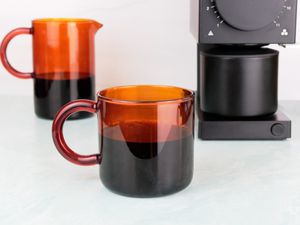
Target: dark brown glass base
[(147, 170), (51, 95)]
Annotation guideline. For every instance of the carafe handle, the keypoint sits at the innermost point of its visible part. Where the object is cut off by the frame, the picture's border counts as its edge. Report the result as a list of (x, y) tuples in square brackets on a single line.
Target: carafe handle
[(3, 52), (58, 137)]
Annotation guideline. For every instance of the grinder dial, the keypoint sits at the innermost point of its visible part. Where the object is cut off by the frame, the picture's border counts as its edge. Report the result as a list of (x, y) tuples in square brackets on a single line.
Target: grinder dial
[(250, 15)]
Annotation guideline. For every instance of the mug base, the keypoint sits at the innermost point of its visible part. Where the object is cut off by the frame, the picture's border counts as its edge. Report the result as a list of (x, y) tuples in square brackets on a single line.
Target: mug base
[(153, 194)]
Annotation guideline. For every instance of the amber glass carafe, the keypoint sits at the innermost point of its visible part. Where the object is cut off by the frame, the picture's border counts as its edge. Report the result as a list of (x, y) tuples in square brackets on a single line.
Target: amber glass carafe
[(63, 62)]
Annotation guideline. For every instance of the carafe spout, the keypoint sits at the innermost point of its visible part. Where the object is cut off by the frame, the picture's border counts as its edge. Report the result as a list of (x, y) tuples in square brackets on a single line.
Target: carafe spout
[(97, 26)]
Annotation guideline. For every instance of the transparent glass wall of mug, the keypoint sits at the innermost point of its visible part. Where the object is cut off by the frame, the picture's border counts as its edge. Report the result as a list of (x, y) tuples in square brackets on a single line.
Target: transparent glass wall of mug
[(146, 139)]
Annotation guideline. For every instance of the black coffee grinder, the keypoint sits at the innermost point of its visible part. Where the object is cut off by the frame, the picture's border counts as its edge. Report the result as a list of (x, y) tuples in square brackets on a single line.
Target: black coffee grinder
[(237, 74)]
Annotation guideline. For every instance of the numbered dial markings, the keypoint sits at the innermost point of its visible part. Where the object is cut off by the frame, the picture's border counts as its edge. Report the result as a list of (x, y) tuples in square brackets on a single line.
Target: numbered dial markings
[(248, 15)]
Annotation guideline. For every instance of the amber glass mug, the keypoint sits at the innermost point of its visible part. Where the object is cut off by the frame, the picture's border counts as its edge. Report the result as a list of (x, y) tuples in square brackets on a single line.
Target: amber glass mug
[(63, 62), (146, 138)]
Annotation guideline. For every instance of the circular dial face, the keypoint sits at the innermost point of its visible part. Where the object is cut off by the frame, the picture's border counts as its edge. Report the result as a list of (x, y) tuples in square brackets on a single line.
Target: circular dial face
[(249, 15)]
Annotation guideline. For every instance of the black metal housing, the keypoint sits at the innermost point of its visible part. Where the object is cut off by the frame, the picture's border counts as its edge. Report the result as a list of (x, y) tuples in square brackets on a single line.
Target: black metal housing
[(239, 82)]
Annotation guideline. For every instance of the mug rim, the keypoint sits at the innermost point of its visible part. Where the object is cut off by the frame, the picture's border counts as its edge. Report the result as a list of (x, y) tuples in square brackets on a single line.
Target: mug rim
[(190, 95)]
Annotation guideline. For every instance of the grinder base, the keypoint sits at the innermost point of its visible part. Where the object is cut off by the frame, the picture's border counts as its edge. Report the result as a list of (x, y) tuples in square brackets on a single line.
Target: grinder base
[(274, 127)]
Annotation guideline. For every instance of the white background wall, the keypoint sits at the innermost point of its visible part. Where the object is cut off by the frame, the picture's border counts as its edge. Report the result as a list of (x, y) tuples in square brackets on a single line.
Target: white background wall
[(142, 42)]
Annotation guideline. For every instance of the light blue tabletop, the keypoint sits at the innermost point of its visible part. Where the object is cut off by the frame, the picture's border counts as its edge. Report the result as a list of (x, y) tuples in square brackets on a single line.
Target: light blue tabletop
[(235, 182)]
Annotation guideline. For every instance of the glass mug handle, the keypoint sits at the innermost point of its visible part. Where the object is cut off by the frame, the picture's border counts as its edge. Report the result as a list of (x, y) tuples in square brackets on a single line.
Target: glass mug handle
[(58, 137), (3, 52)]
